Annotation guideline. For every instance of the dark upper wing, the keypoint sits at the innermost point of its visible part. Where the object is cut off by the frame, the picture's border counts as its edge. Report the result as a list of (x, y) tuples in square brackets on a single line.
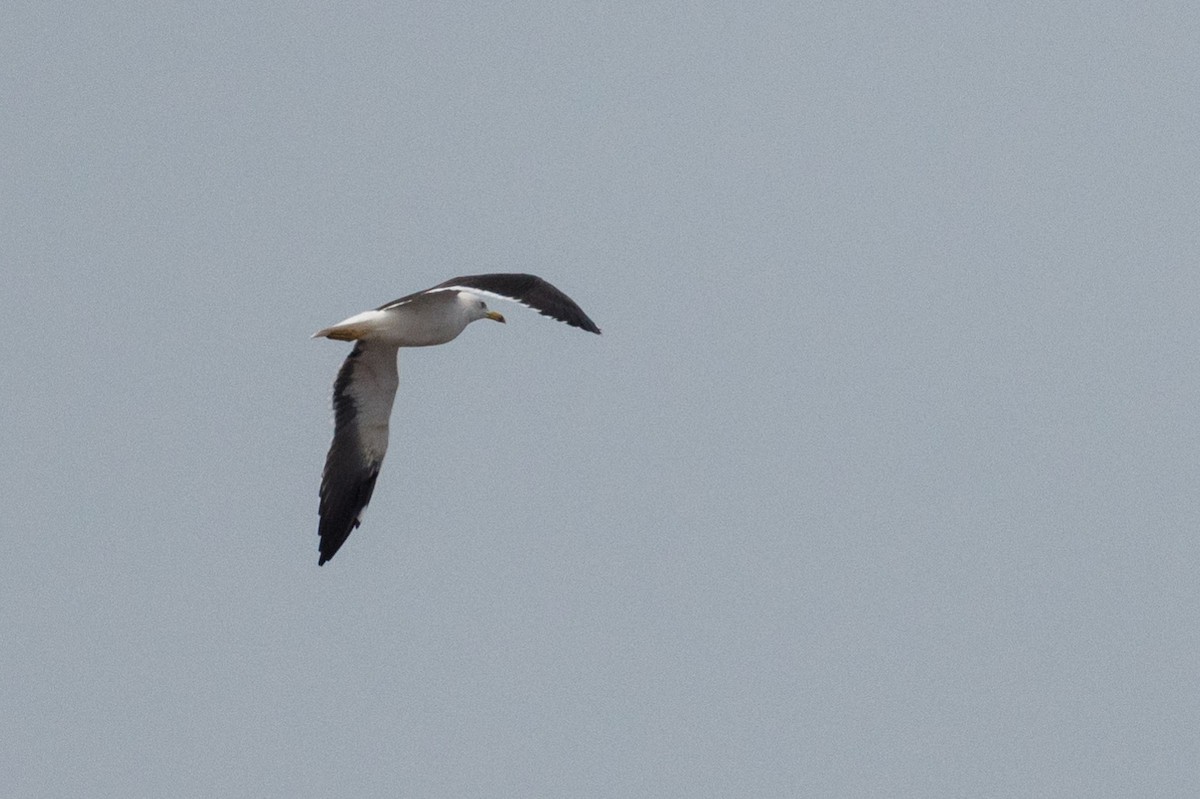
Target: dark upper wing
[(529, 290), (362, 402)]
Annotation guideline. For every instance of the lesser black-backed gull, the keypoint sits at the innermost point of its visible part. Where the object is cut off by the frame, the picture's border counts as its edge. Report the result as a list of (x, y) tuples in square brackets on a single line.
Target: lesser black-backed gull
[(366, 383)]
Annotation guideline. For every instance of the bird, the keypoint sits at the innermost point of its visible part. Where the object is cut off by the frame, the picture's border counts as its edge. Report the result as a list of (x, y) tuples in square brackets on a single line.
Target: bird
[(366, 383)]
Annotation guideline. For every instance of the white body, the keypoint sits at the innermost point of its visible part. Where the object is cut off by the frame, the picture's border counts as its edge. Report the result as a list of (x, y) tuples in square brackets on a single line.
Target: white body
[(433, 319)]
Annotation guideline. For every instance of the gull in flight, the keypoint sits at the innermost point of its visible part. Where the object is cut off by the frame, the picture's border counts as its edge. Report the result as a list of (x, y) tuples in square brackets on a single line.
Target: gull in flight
[(366, 383)]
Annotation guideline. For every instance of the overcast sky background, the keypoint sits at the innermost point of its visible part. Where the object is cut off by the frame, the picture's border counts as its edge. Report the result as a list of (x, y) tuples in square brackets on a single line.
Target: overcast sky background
[(882, 480)]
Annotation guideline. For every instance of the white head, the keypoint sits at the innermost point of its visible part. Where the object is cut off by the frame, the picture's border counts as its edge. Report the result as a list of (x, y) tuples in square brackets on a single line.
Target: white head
[(476, 308)]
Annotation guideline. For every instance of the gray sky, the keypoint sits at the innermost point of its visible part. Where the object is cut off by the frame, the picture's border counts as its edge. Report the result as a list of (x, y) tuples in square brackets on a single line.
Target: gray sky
[(882, 481)]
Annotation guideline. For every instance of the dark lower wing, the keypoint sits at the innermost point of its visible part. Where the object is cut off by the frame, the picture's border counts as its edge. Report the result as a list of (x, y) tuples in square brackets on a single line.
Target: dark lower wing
[(362, 403)]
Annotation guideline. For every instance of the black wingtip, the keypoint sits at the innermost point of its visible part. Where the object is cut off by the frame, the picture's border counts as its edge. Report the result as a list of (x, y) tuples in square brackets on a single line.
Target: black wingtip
[(326, 554), (580, 320)]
